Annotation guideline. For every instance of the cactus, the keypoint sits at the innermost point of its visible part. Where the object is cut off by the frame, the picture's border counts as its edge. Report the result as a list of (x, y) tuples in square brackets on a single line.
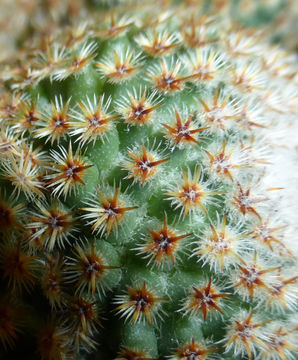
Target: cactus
[(145, 210)]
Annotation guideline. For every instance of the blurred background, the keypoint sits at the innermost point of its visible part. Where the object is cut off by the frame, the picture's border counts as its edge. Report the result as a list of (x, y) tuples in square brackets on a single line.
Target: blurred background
[(22, 20)]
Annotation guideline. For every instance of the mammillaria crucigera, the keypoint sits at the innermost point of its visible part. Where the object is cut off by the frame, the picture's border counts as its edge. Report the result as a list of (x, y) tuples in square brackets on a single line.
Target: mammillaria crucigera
[(148, 187)]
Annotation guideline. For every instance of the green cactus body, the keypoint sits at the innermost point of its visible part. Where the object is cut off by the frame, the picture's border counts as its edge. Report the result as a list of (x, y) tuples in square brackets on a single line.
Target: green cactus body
[(140, 214)]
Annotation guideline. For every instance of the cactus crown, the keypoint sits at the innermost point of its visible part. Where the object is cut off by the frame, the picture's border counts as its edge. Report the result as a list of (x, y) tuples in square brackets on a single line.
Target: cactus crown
[(140, 202)]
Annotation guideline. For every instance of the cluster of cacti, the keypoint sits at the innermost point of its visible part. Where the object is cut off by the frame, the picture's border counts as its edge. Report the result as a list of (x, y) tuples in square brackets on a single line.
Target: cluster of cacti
[(141, 213)]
